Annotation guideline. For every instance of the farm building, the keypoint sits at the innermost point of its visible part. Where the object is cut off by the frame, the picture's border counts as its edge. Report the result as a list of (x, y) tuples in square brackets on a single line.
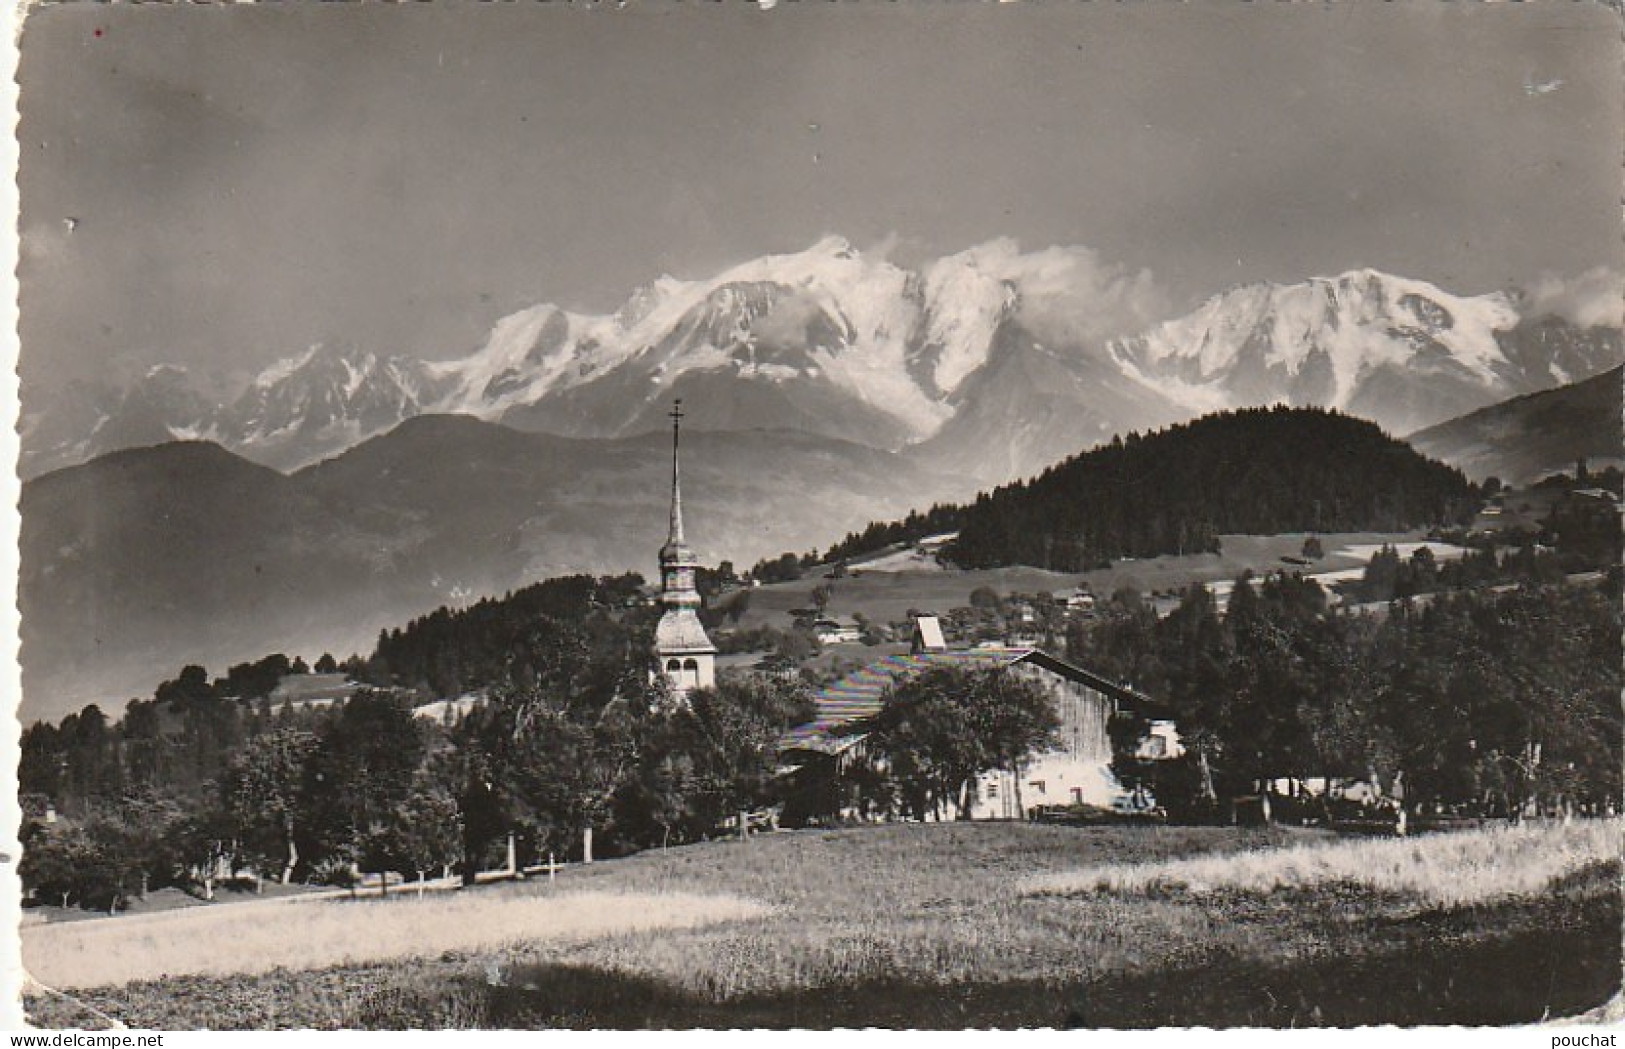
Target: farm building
[(1079, 600), (835, 630), (1076, 770)]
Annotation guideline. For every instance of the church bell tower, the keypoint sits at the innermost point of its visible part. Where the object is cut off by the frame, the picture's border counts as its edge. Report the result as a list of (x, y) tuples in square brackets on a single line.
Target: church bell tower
[(685, 654)]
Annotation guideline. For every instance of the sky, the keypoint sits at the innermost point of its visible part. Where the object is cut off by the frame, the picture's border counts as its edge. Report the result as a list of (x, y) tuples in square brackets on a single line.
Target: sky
[(220, 186)]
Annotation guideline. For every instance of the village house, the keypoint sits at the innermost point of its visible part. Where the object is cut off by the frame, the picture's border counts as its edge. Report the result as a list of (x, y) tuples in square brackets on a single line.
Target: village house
[(837, 630), (1079, 600), (1076, 770)]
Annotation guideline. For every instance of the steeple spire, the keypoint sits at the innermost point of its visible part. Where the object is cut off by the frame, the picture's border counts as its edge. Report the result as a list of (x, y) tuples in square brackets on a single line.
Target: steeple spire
[(674, 537)]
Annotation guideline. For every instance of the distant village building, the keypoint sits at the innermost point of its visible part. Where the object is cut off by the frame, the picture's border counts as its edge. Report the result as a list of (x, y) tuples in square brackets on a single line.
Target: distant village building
[(683, 651), (1022, 625), (927, 635), (1079, 600), (1077, 770), (836, 630), (932, 545)]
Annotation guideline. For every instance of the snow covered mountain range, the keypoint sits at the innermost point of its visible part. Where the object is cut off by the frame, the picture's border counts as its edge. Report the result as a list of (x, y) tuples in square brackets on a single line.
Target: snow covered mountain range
[(990, 363), (1400, 352)]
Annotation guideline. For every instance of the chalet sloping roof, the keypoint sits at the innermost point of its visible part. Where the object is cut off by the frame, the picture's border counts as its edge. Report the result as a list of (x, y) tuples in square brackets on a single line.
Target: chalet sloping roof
[(857, 696), (928, 634)]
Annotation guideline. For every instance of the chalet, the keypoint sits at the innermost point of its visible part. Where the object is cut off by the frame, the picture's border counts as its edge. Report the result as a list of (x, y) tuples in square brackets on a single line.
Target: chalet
[(1079, 600), (836, 630), (1075, 771)]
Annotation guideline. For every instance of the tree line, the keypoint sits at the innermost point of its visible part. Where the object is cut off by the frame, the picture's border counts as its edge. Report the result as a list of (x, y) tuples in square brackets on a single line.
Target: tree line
[(451, 650), (1482, 702)]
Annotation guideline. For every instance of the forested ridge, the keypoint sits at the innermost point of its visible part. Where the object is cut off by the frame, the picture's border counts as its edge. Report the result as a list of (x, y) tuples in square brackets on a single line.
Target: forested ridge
[(451, 650), (1259, 471)]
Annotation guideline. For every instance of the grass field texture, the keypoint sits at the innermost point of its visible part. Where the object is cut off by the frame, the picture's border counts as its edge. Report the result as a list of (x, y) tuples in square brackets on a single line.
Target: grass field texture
[(886, 597), (972, 925), (1449, 870)]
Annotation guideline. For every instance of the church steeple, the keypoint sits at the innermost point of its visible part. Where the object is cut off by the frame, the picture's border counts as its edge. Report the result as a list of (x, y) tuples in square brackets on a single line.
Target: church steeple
[(684, 651)]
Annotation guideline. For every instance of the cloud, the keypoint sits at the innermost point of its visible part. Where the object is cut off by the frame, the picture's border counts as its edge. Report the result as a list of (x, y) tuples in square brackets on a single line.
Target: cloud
[(882, 250), (1595, 298), (786, 323), (1070, 296)]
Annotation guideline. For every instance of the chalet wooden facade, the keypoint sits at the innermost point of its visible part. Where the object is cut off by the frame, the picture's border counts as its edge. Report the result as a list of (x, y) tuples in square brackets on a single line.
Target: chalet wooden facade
[(828, 753)]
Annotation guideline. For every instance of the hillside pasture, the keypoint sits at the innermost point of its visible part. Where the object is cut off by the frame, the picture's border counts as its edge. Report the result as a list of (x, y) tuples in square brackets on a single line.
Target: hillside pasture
[(939, 926), (886, 597)]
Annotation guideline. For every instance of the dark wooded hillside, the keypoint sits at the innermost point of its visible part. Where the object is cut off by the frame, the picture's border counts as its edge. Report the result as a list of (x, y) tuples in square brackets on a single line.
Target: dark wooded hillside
[(1259, 471)]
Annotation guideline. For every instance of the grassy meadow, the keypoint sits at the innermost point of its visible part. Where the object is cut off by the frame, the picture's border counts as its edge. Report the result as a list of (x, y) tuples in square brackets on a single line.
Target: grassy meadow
[(932, 926), (886, 597), (1448, 870)]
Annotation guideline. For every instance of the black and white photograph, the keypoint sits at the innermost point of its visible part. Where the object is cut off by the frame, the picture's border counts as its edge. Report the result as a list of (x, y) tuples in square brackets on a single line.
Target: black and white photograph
[(809, 516)]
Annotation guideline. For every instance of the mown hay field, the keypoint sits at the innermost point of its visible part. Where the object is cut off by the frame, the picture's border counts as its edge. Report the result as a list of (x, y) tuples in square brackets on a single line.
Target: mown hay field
[(317, 934), (952, 925)]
